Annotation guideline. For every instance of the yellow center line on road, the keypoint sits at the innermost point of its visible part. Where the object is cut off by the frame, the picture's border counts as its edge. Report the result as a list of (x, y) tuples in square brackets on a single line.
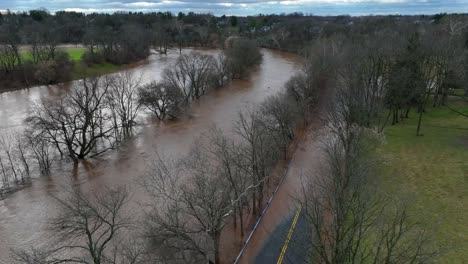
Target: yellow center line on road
[(288, 238)]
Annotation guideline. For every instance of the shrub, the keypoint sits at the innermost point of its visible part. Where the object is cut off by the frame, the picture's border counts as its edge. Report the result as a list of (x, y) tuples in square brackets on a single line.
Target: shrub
[(46, 72), (92, 58)]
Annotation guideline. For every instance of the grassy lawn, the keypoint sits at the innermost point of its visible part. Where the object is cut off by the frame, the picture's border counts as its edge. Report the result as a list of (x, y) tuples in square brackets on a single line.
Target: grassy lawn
[(75, 54), (431, 173), (81, 70)]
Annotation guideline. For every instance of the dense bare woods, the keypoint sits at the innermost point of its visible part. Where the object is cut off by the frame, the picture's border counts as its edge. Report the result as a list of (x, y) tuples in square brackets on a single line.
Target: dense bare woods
[(217, 183), (220, 182), (349, 219), (192, 202)]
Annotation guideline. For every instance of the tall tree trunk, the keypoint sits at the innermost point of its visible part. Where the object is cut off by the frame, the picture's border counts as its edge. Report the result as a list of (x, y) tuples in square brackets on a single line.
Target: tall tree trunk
[(418, 129), (216, 248), (407, 112)]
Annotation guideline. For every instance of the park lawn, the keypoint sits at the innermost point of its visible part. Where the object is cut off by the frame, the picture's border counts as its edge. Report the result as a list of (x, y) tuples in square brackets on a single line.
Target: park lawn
[(81, 70), (75, 54), (430, 172)]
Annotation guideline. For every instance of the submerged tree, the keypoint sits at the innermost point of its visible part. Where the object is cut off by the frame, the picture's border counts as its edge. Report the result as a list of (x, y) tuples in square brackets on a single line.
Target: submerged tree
[(192, 201), (123, 101), (192, 75), (164, 101), (77, 124), (242, 54), (87, 229)]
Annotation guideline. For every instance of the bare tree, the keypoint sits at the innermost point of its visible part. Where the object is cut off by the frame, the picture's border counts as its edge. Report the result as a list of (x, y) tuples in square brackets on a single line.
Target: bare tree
[(14, 161), (192, 74), (85, 229), (192, 201), (242, 54), (365, 72), (234, 167), (10, 40), (221, 71), (261, 149), (78, 123), (349, 222), (41, 151), (42, 39), (280, 115), (162, 100), (8, 58), (123, 101)]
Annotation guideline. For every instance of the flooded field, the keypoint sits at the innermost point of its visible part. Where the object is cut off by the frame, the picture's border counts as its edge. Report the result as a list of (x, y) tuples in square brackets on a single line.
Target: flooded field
[(24, 213)]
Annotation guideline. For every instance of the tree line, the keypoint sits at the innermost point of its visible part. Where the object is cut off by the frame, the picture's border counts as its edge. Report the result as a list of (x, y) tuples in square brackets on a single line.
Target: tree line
[(375, 80), (97, 114), (118, 38)]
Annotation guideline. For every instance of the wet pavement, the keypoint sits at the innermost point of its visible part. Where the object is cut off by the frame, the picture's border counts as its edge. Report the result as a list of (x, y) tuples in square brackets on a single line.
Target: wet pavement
[(288, 244)]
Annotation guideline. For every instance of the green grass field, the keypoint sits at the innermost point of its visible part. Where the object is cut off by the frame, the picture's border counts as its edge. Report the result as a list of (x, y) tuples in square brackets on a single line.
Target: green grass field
[(431, 173), (75, 54), (81, 70)]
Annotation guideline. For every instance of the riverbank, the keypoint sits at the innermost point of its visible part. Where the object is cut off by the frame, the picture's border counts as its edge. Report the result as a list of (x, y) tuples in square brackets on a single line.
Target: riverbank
[(25, 213), (430, 173), (284, 188), (79, 69)]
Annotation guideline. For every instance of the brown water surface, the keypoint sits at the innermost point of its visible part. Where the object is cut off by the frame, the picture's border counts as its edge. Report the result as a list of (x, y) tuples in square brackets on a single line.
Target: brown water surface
[(24, 213)]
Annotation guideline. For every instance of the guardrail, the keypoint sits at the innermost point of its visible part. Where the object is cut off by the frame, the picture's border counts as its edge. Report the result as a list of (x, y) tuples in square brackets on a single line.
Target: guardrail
[(283, 178)]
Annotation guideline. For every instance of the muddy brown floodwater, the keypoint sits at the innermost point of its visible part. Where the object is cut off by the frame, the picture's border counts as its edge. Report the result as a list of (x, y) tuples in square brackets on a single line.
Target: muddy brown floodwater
[(24, 213)]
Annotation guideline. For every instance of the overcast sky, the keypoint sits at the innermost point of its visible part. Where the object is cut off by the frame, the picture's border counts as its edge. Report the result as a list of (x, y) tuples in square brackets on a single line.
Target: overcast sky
[(247, 7)]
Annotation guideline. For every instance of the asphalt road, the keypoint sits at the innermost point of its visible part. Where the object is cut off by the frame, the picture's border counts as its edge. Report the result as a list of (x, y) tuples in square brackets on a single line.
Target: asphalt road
[(295, 247)]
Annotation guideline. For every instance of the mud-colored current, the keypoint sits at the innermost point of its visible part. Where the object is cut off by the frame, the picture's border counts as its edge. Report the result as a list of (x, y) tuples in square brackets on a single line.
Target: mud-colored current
[(24, 213)]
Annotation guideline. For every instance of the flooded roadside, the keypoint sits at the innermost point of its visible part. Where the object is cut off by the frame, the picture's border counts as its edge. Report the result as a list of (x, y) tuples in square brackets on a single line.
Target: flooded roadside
[(23, 214)]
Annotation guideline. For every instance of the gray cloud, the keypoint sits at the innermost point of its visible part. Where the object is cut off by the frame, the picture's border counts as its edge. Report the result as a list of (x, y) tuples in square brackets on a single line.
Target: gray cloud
[(246, 7)]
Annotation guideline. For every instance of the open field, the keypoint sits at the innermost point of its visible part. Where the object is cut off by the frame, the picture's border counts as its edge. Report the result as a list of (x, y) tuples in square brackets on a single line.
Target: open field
[(431, 173), (75, 54), (81, 70)]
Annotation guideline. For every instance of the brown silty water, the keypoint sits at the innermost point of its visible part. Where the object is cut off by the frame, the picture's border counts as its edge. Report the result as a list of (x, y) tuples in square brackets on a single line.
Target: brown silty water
[(303, 165), (24, 213)]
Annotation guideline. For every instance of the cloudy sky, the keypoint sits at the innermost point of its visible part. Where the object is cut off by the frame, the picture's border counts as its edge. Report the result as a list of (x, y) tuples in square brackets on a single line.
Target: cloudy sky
[(247, 7)]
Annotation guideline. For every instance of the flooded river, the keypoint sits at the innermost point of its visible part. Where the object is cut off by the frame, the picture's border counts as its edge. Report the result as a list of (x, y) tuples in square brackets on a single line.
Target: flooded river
[(24, 214)]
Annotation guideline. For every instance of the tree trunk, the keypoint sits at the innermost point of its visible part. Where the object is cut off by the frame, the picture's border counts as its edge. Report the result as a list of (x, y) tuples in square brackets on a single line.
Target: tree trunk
[(216, 248), (407, 112), (241, 218), (419, 123)]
